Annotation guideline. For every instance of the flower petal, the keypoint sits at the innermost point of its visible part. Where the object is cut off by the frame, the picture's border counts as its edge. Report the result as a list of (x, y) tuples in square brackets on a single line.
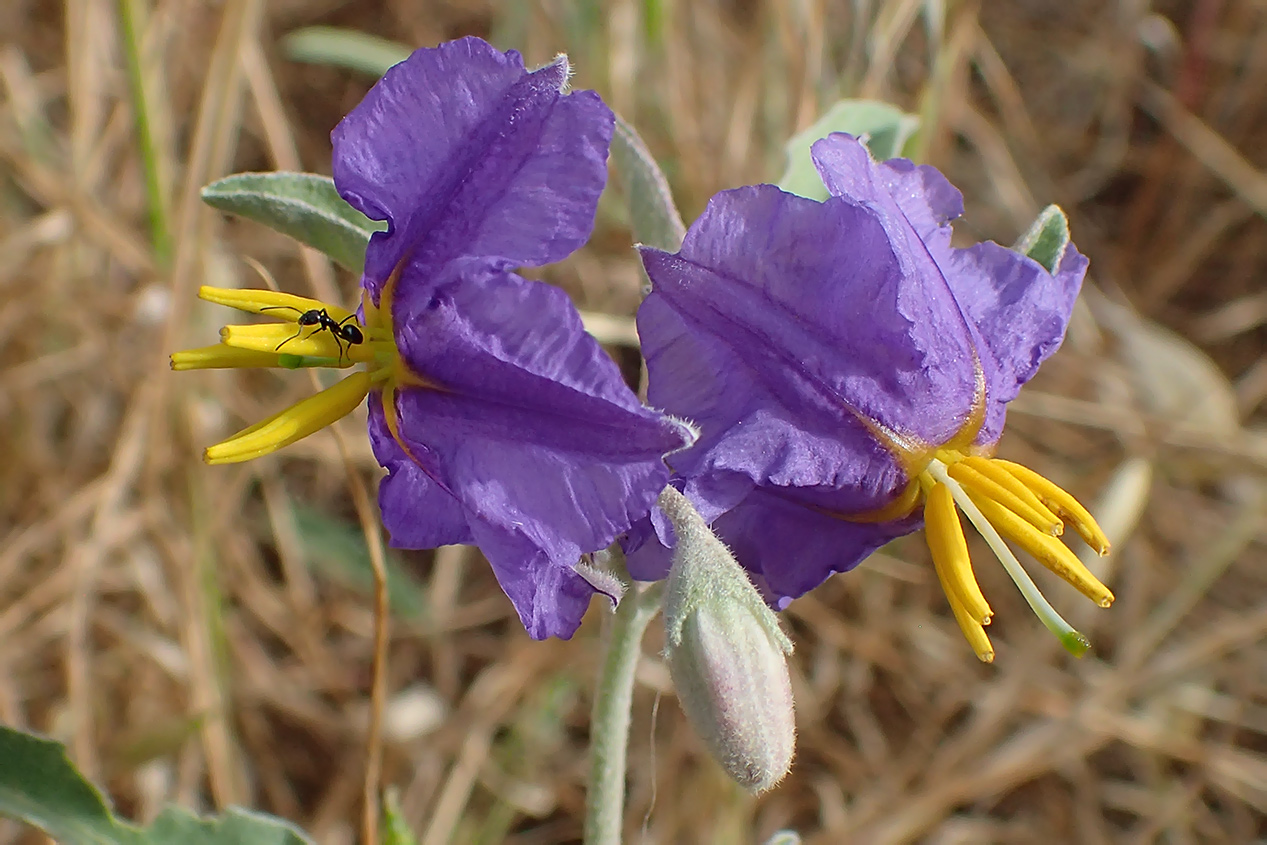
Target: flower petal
[(550, 596), (924, 196), (1021, 310), (791, 549), (647, 543), (464, 152), (781, 323), (417, 511), (646, 557), (1017, 311), (568, 501), (518, 349), (531, 427), (786, 537)]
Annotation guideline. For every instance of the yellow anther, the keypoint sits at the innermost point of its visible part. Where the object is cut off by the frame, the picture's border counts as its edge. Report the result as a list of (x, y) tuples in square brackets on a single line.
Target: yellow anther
[(294, 423), (1036, 514), (991, 470), (222, 357), (1063, 504), (1046, 549), (282, 306), (295, 340), (946, 541), (972, 632)]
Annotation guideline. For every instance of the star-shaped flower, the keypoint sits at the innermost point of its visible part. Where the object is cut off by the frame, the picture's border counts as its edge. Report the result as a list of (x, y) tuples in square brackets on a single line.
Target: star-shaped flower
[(501, 422), (849, 372)]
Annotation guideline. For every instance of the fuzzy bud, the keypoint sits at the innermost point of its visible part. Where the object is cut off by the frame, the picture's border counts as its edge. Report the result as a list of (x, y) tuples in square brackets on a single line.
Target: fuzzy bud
[(726, 654)]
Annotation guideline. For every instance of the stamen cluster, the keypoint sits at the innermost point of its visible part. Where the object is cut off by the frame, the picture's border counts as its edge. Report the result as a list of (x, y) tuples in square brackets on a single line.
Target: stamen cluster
[(314, 334), (1004, 498)]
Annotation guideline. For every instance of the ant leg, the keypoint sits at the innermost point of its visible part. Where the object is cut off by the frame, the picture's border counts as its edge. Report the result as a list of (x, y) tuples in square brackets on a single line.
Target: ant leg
[(339, 334), (279, 346), (335, 335)]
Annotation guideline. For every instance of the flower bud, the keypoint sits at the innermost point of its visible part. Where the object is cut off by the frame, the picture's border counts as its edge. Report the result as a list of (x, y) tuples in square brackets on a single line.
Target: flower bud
[(726, 654)]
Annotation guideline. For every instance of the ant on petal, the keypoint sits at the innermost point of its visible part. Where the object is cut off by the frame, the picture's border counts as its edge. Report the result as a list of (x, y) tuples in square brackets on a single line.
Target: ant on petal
[(342, 331)]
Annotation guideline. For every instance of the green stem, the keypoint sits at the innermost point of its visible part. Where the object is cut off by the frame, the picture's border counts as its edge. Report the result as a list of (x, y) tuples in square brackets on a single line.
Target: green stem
[(130, 17), (609, 723)]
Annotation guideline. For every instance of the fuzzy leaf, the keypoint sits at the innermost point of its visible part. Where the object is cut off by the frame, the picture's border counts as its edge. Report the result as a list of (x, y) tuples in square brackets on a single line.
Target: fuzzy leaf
[(40, 786), (652, 212), (1046, 238), (304, 206), (346, 48), (176, 826), (887, 129)]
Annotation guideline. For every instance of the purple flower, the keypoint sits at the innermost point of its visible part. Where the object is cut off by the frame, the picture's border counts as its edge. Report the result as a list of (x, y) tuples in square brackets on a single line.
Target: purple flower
[(845, 364), (500, 420), (505, 425)]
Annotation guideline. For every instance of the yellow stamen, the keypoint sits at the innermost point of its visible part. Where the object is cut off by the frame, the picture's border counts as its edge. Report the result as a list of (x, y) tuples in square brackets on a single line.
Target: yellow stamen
[(969, 476), (283, 306), (1063, 504), (1073, 641), (946, 541), (972, 631), (220, 356), (296, 340), (1046, 549), (990, 468), (294, 423)]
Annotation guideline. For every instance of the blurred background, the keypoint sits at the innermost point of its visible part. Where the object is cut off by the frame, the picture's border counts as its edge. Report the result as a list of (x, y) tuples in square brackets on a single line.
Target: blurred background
[(203, 634)]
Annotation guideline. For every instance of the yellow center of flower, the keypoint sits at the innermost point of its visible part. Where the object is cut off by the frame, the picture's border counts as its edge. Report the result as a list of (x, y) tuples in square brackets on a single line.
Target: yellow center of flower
[(307, 333), (1002, 500)]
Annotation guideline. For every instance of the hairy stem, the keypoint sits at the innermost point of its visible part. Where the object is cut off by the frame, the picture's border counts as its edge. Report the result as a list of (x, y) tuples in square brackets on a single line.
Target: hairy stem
[(609, 722)]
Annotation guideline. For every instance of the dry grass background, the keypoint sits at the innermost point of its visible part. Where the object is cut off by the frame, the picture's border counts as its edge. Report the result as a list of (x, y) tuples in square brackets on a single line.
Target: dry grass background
[(203, 635)]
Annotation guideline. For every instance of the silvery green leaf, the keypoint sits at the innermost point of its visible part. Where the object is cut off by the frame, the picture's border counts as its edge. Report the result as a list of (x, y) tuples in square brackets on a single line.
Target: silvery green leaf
[(304, 206), (39, 786), (652, 213), (1046, 238), (347, 48), (885, 127)]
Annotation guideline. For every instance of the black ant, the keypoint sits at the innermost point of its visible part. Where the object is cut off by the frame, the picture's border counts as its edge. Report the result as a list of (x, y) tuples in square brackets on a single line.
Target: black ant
[(343, 333)]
